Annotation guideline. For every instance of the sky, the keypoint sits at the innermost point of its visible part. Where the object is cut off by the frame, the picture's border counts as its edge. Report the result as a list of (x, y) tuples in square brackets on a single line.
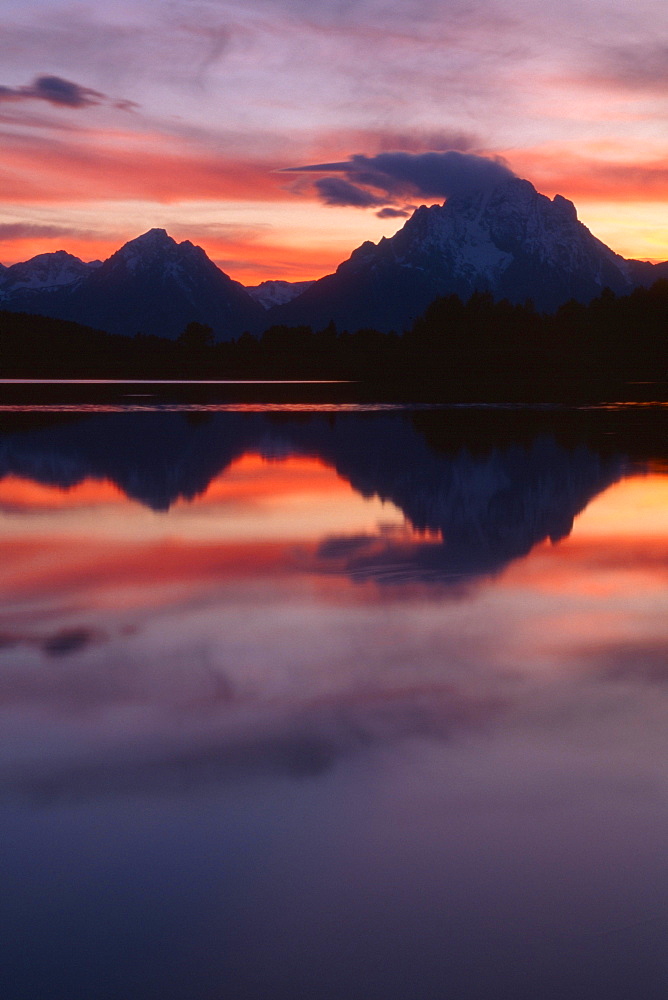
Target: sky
[(201, 117)]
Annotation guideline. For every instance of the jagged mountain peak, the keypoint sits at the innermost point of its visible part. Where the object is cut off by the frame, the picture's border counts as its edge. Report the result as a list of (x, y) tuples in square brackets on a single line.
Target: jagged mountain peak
[(157, 252), (506, 239), (513, 207), (152, 284), (54, 257), (515, 227), (152, 238), (45, 271), (155, 242)]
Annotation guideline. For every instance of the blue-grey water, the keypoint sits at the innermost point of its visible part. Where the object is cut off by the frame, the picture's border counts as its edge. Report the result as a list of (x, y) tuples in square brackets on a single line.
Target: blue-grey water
[(333, 704)]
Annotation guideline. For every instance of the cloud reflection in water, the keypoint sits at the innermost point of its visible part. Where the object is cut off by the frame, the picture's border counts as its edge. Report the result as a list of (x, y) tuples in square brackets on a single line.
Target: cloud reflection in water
[(276, 647)]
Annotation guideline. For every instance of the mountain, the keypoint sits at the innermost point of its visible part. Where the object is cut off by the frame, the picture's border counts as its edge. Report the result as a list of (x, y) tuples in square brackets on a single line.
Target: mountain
[(507, 240), (152, 285), (45, 271), (510, 241), (644, 273), (276, 293)]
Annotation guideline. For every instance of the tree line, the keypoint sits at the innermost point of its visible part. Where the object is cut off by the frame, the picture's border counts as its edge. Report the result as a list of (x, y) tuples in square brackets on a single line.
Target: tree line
[(479, 347)]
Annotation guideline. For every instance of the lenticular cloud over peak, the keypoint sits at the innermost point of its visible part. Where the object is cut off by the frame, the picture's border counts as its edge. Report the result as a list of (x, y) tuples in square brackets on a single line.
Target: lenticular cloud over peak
[(388, 179)]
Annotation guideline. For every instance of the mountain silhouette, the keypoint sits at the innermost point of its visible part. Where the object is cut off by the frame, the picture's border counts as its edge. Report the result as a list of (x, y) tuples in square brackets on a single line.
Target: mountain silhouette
[(510, 241), (507, 240), (152, 285), (43, 273)]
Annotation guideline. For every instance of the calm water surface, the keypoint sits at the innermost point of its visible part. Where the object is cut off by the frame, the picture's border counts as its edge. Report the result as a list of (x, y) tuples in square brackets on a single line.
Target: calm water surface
[(333, 705)]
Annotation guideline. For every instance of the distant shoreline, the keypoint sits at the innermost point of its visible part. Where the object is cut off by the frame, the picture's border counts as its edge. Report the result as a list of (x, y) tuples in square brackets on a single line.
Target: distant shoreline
[(479, 351)]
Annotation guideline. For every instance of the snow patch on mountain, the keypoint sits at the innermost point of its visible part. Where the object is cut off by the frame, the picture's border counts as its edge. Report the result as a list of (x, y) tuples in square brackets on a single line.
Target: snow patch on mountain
[(508, 241), (45, 271), (276, 292), (155, 246), (478, 236)]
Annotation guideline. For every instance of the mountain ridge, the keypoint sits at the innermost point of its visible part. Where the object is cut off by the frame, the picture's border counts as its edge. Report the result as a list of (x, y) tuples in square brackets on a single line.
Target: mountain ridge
[(273, 292), (152, 285), (508, 240)]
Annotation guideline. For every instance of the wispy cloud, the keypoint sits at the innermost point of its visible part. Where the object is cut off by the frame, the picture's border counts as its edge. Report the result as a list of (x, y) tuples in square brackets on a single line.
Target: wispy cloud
[(636, 67), (11, 231), (108, 165)]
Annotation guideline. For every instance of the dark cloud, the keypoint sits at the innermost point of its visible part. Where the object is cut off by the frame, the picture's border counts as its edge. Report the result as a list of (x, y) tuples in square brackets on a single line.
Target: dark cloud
[(337, 191), (55, 90), (387, 179), (61, 93), (395, 213), (443, 174), (69, 640), (393, 561), (58, 91), (341, 546)]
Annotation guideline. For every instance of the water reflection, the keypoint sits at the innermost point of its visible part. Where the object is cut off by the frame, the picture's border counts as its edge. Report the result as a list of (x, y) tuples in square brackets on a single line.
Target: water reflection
[(488, 508), (333, 706)]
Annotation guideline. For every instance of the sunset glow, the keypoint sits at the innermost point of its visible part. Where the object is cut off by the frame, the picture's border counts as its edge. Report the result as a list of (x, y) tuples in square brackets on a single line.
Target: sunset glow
[(185, 116)]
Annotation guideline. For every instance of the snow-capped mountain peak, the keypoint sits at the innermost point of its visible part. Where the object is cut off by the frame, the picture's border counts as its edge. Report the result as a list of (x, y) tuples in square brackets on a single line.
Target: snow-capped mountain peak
[(483, 233), (507, 240), (45, 271), (152, 284), (277, 292), (156, 245)]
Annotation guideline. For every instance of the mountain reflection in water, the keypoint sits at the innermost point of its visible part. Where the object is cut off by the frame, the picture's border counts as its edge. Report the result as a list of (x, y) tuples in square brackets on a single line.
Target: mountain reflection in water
[(333, 705)]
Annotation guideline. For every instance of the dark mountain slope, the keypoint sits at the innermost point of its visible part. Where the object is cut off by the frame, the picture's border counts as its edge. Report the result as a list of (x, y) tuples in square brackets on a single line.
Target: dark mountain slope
[(152, 285)]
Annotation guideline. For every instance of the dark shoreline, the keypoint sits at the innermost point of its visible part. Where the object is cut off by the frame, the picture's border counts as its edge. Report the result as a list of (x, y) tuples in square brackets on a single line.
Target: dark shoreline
[(476, 392), (613, 350), (636, 427)]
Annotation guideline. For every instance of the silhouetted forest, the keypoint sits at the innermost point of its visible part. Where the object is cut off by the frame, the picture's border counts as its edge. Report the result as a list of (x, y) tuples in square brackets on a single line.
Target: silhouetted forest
[(478, 349)]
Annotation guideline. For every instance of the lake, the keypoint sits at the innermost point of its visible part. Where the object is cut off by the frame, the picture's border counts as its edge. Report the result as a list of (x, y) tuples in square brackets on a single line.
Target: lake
[(333, 702)]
